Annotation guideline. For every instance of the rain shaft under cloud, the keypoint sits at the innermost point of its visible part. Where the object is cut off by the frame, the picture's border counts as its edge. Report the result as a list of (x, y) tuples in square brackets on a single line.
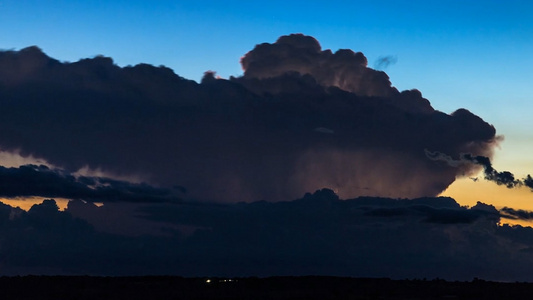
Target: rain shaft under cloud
[(299, 119)]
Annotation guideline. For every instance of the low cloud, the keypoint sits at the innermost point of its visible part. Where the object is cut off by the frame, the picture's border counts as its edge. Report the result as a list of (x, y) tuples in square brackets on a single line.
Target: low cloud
[(517, 213), (318, 234), (42, 181)]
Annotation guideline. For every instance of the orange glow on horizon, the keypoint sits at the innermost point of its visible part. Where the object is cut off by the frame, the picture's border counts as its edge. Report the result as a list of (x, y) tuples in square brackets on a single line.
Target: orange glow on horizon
[(467, 192), (27, 203)]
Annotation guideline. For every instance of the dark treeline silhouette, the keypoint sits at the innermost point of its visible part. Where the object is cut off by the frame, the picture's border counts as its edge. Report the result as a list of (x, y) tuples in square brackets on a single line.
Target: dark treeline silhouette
[(306, 287)]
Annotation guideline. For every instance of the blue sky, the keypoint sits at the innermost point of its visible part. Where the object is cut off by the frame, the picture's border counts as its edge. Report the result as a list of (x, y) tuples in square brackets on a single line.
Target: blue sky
[(470, 54)]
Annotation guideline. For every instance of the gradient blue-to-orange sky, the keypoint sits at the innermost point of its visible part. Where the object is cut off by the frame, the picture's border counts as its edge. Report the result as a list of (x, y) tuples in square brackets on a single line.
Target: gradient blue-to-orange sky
[(458, 54)]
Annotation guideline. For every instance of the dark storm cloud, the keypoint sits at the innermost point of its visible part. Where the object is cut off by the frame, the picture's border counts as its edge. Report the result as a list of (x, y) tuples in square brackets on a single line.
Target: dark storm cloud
[(318, 234), (41, 181), (301, 118)]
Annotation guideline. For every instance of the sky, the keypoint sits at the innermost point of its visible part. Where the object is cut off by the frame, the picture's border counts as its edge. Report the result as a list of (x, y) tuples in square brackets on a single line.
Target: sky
[(457, 54)]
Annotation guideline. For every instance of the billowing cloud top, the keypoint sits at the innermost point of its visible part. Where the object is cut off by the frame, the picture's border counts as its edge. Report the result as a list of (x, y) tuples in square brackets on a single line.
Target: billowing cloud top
[(299, 119), (303, 54)]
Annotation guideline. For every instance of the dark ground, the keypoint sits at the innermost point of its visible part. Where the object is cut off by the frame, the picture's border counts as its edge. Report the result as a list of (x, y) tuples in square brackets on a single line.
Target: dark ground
[(311, 287)]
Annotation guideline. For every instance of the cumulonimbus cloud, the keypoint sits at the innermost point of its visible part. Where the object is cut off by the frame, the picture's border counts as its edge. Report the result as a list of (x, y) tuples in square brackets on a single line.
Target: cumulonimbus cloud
[(299, 119)]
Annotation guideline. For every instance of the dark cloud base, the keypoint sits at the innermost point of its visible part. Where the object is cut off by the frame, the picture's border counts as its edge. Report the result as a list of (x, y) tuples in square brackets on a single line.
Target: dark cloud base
[(318, 234)]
